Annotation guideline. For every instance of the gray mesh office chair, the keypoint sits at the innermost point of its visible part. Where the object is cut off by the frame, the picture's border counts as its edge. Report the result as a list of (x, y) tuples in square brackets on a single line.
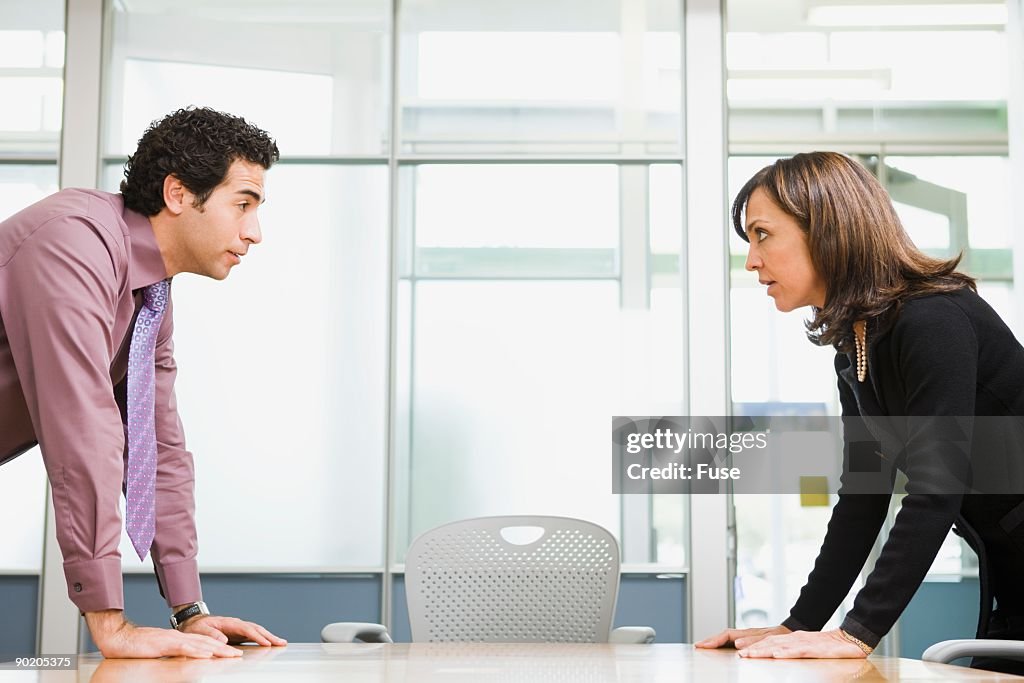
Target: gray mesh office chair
[(467, 581), (948, 650)]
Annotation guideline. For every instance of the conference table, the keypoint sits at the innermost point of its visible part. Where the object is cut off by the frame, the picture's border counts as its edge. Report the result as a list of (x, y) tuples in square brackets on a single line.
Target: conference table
[(506, 662)]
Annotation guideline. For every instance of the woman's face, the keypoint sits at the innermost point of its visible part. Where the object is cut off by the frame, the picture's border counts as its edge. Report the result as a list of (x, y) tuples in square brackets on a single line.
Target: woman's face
[(780, 256)]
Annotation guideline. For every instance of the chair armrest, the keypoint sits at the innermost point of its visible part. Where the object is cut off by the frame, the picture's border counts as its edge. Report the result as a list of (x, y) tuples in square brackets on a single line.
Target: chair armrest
[(948, 650), (349, 631), (632, 635)]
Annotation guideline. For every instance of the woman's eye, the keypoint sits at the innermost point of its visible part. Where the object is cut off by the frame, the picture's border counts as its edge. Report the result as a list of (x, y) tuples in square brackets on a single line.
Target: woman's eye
[(761, 234)]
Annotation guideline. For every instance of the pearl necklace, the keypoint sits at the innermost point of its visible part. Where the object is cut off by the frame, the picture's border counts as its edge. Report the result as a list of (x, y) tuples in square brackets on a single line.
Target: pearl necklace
[(860, 340)]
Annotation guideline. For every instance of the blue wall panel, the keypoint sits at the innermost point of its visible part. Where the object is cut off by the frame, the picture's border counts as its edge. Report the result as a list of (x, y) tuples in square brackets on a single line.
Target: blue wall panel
[(293, 606), (296, 607), (19, 599), (646, 600), (939, 611)]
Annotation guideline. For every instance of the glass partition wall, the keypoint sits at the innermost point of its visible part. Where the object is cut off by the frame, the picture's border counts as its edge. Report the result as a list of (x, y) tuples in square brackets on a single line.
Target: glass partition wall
[(467, 267), (282, 384), (31, 78)]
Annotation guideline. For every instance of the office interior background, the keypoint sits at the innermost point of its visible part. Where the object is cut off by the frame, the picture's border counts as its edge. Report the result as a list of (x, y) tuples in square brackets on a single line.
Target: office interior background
[(494, 226)]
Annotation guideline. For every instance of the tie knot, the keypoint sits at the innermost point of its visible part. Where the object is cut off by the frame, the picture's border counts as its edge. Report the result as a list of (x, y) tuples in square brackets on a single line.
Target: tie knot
[(154, 297)]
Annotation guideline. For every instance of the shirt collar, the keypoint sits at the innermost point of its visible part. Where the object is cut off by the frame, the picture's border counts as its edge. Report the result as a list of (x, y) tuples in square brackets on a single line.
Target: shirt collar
[(147, 265)]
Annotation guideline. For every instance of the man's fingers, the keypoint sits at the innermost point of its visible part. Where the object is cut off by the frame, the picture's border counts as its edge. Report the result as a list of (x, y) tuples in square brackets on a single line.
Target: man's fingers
[(258, 634), (274, 640), (194, 651), (248, 631), (210, 631), (233, 631), (222, 650), (213, 647), (239, 631), (252, 632), (227, 651)]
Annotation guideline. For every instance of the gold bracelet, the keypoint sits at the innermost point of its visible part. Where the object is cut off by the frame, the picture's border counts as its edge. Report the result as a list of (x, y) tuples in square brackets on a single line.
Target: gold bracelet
[(867, 649)]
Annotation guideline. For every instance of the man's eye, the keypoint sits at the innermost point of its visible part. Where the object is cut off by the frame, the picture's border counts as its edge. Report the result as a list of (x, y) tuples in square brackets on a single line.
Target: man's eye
[(242, 205)]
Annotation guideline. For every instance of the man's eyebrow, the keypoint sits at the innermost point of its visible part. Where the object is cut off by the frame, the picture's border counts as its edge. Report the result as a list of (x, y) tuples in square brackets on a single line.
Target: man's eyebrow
[(252, 193)]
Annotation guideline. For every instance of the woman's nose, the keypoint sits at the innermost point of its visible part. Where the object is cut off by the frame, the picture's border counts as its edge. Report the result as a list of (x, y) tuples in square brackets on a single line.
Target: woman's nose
[(753, 260)]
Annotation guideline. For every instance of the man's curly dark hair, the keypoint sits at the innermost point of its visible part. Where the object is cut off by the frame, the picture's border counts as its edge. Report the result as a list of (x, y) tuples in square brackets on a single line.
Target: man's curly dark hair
[(196, 145)]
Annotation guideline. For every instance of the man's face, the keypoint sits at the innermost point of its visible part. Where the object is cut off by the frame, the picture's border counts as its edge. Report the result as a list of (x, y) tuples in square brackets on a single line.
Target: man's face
[(216, 236)]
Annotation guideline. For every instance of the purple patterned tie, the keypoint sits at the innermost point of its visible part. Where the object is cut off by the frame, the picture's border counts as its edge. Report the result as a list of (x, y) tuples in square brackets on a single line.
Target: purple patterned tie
[(140, 494)]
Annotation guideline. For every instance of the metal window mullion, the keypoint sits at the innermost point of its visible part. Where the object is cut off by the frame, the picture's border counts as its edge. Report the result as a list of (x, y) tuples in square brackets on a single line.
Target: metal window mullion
[(387, 577), (29, 160), (1015, 135), (706, 301), (636, 531)]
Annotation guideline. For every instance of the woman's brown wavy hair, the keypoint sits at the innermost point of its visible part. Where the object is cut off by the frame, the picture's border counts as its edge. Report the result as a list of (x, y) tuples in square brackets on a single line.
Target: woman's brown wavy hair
[(857, 243)]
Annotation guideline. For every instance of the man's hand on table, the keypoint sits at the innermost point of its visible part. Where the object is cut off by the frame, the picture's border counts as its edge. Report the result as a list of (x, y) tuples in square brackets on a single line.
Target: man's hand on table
[(118, 638), (230, 630), (200, 637)]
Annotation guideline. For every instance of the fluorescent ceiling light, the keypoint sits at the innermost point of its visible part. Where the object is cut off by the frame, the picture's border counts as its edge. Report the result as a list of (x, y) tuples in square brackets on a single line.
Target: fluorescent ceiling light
[(908, 15)]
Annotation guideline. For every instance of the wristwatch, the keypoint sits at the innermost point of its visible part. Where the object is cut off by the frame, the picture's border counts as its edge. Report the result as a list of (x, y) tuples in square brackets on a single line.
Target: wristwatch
[(189, 611)]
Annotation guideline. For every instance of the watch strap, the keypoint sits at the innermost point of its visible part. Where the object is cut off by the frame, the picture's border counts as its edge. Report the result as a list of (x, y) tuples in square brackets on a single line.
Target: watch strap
[(187, 612)]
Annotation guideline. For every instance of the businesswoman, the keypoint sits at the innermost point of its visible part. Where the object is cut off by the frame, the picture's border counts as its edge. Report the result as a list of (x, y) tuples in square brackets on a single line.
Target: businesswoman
[(912, 338)]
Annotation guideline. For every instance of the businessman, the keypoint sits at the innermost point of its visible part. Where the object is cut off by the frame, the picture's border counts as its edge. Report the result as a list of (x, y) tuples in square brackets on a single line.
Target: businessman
[(87, 366)]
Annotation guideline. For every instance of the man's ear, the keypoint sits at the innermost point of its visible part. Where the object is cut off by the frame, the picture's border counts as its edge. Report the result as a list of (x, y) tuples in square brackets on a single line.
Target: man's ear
[(175, 195)]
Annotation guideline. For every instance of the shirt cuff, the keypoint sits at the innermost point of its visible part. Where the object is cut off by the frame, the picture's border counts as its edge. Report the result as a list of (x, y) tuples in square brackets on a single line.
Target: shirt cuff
[(179, 582), (794, 625), (859, 632), (95, 585)]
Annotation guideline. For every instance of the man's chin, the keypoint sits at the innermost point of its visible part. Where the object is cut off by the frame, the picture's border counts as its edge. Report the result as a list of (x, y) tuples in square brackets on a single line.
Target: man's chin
[(221, 274)]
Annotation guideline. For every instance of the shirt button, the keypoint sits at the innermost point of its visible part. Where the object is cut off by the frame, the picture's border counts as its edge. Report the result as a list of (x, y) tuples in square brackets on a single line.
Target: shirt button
[(78, 588)]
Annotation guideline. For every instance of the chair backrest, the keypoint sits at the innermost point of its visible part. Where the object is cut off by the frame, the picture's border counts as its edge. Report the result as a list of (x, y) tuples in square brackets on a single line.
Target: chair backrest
[(465, 581)]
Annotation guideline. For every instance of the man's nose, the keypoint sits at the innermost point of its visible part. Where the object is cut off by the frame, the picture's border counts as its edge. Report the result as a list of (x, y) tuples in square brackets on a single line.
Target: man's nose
[(252, 232)]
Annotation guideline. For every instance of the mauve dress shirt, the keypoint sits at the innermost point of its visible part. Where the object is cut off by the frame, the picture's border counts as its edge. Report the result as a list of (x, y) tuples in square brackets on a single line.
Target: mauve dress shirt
[(71, 270)]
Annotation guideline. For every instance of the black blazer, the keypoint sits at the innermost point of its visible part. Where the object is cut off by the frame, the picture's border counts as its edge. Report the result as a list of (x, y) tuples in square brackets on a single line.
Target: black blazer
[(944, 355)]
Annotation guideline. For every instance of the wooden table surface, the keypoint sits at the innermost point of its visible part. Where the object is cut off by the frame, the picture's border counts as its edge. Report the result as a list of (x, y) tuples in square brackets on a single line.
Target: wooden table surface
[(507, 663)]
